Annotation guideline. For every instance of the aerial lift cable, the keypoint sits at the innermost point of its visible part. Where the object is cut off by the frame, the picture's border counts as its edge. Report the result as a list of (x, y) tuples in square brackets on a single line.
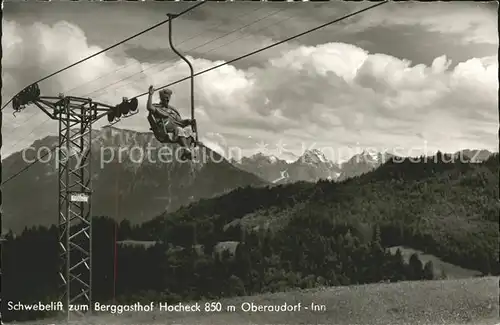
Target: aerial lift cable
[(269, 46), (194, 48), (108, 48), (128, 77), (225, 63), (172, 66), (212, 49), (151, 56)]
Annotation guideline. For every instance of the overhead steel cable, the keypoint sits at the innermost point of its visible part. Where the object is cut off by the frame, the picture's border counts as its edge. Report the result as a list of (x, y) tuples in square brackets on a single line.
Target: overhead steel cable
[(231, 61), (268, 47), (108, 48), (198, 46), (100, 90), (211, 50), (194, 48), (150, 56), (166, 68)]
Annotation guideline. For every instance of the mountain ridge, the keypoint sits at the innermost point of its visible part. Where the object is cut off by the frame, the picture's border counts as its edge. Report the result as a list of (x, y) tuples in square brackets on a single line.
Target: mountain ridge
[(138, 191), (313, 165), (436, 207), (125, 187)]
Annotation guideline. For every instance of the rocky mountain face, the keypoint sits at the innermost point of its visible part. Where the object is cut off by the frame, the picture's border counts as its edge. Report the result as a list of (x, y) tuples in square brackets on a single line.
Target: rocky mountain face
[(362, 163), (126, 185), (269, 168), (365, 162), (313, 165)]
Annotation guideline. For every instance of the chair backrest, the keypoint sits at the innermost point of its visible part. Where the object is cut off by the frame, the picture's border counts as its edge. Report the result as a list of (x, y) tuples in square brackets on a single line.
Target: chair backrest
[(157, 128)]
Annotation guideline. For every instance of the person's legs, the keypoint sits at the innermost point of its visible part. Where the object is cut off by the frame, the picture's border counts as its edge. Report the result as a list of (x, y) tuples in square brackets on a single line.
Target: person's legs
[(179, 135), (182, 140), (183, 134)]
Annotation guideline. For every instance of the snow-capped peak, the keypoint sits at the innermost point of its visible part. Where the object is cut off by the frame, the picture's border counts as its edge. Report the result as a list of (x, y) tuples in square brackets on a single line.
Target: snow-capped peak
[(273, 159), (374, 156), (370, 157), (260, 157), (314, 156)]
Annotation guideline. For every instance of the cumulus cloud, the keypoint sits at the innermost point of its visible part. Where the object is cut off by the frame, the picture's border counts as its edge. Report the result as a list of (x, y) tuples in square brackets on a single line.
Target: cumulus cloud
[(473, 22), (329, 95)]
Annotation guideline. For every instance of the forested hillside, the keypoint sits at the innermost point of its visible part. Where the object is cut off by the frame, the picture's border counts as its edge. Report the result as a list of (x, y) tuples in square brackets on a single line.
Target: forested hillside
[(450, 209), (286, 237)]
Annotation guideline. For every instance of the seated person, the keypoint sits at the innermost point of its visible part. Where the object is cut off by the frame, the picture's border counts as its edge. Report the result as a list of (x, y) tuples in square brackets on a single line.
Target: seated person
[(169, 119)]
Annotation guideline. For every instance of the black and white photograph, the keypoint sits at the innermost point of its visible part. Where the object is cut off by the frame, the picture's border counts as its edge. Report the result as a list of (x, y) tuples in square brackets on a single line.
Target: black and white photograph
[(246, 162)]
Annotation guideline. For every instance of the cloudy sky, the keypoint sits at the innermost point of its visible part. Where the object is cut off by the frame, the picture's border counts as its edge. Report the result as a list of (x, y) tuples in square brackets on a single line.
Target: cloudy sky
[(411, 76)]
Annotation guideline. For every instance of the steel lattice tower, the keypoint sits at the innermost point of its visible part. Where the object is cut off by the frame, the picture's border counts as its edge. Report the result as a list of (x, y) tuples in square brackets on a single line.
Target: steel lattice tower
[(74, 156), (75, 117)]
